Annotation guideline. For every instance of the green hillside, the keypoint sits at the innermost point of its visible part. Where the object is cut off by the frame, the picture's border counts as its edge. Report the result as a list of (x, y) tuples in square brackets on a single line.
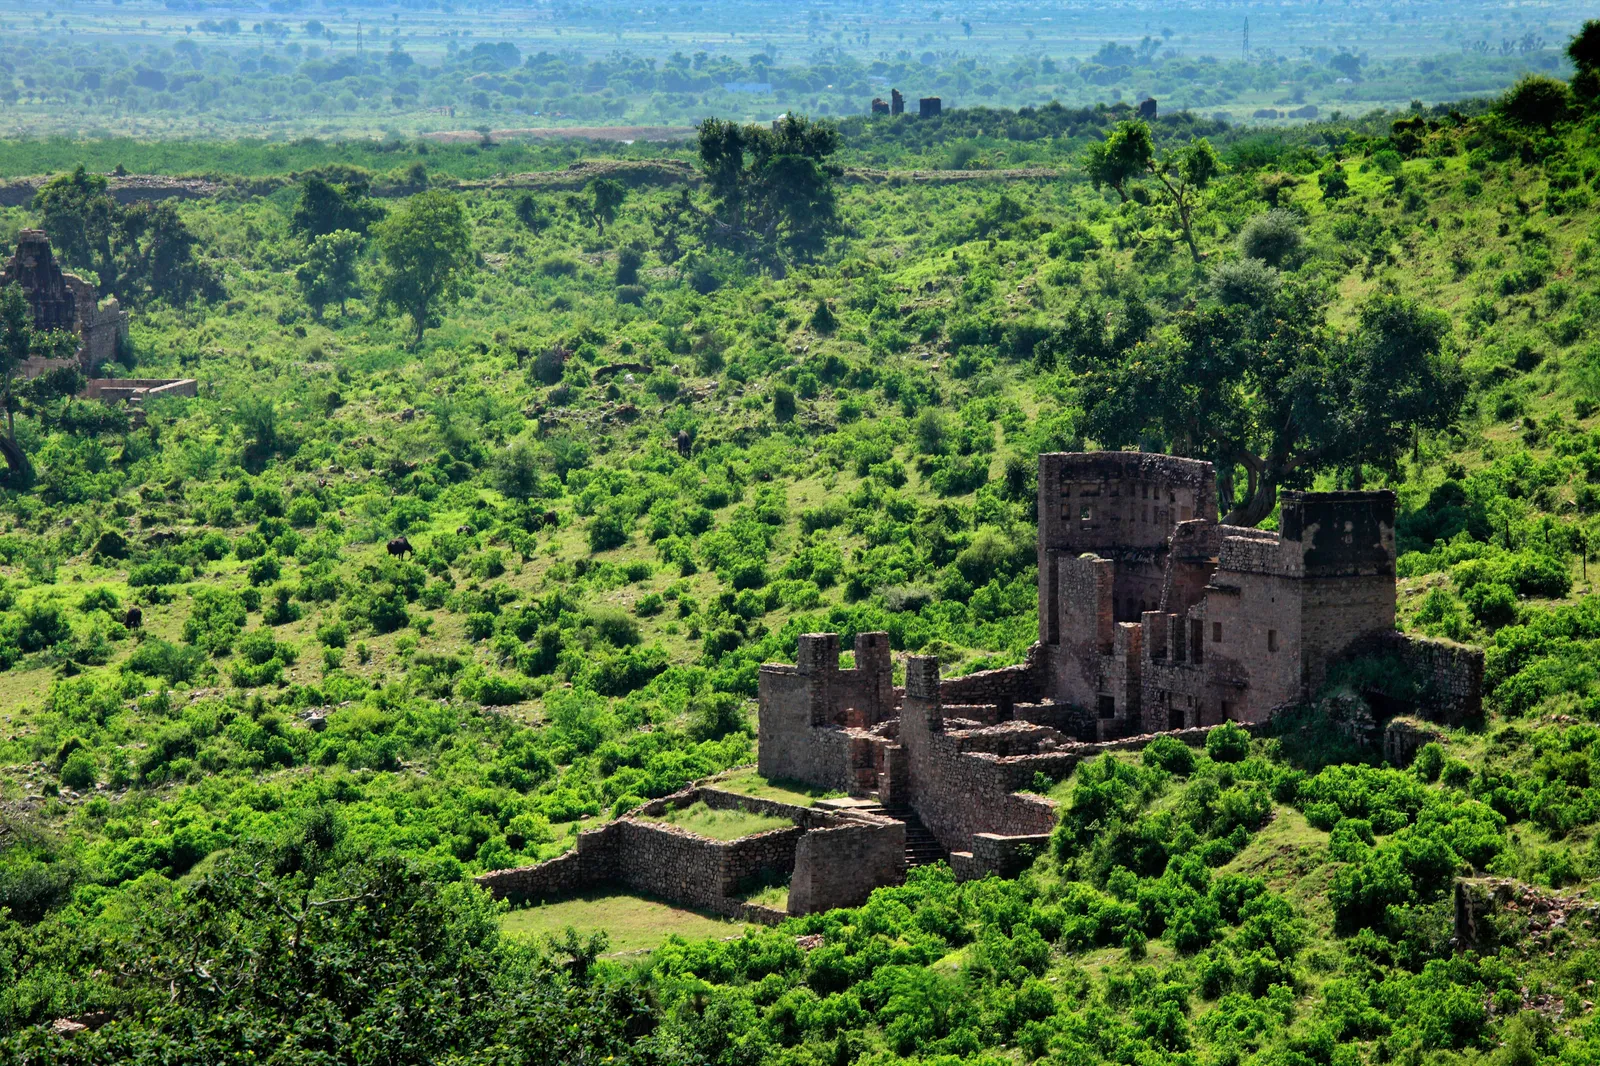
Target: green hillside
[(644, 447)]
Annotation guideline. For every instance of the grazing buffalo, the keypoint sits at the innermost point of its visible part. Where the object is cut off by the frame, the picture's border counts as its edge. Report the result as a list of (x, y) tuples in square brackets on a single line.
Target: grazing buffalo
[(685, 443), (134, 618), (465, 530), (400, 547)]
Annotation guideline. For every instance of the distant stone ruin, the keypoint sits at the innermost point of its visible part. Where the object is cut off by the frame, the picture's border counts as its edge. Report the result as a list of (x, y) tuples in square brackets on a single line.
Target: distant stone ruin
[(833, 856), (62, 301), (1147, 109), (929, 107), (1154, 619)]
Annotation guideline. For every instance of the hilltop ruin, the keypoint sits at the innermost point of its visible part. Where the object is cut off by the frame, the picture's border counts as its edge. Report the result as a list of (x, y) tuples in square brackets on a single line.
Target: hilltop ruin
[(62, 301), (1154, 618)]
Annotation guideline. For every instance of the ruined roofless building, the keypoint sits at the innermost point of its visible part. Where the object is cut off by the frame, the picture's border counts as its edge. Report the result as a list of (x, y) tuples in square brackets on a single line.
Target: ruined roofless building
[(61, 301), (1153, 617)]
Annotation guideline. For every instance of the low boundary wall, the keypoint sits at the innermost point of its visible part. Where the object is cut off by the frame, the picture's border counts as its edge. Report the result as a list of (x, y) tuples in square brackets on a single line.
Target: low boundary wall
[(681, 867)]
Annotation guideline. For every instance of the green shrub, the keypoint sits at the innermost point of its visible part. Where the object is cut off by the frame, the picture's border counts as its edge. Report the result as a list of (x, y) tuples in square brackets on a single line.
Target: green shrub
[(1227, 742), (163, 572), (80, 771), (174, 663), (1429, 761), (1170, 754)]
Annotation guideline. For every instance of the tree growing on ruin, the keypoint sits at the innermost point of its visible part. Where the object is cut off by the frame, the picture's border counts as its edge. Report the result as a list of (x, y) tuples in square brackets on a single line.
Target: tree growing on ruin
[(1180, 176), (772, 192), (1268, 392), (139, 252), (19, 341), (81, 219), (426, 254)]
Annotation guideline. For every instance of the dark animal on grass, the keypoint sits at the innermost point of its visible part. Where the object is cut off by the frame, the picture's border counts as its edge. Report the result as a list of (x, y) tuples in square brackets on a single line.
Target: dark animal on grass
[(400, 547), (134, 618), (465, 530), (685, 443)]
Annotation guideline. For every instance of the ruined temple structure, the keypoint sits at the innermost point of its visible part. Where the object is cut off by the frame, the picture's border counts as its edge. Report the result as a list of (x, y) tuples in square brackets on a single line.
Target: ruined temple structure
[(929, 107), (879, 106), (1147, 109), (1153, 618), (62, 301), (897, 103)]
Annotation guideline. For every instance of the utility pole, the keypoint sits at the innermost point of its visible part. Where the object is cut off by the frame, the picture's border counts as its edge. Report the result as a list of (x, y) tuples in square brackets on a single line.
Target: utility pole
[(358, 38), (1247, 38)]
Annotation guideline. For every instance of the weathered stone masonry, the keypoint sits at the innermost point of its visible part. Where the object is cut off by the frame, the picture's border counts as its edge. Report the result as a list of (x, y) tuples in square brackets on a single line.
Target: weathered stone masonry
[(672, 863), (1153, 618), (61, 301)]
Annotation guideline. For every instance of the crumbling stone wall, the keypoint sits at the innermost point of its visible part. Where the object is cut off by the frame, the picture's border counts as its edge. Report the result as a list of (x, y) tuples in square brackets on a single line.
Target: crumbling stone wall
[(1451, 674), (997, 854), (670, 862), (814, 714), (1003, 687), (957, 793), (61, 301), (839, 867)]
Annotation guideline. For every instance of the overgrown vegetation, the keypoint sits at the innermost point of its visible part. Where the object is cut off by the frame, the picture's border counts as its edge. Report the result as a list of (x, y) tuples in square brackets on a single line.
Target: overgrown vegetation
[(632, 457)]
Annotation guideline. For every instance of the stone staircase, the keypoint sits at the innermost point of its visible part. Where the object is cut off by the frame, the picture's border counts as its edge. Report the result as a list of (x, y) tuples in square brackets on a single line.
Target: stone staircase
[(922, 847)]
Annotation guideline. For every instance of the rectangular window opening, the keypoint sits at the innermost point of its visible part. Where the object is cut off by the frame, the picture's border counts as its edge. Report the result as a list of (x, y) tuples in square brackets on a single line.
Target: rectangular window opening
[(1216, 632), (1272, 640), (1108, 706)]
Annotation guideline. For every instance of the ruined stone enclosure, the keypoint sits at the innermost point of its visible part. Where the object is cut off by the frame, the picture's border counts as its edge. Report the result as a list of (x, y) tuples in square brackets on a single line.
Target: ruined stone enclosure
[(833, 855), (1153, 617), (61, 301)]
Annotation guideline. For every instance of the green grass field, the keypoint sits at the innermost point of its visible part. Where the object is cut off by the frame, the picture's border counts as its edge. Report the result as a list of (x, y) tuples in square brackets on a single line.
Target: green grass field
[(701, 820), (749, 782), (631, 923)]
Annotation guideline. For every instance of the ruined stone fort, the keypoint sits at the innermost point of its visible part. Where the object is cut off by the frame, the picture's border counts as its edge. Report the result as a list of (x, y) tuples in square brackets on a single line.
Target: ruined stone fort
[(62, 301), (58, 300), (1153, 618)]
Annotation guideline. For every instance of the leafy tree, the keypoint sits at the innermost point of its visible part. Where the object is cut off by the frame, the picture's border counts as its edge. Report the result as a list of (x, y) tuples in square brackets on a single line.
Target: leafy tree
[(674, 224), (81, 220), (329, 272), (1584, 51), (772, 190), (599, 207), (1537, 102), (139, 252), (19, 341), (1128, 154), (426, 250), (1274, 238), (1121, 159), (531, 213), (1269, 388), (158, 260), (325, 208)]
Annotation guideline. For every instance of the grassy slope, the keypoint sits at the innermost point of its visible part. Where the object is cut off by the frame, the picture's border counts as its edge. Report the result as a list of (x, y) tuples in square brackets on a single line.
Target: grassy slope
[(918, 244)]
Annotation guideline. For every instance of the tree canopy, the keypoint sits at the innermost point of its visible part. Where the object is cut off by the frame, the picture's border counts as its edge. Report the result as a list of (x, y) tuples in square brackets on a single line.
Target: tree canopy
[(426, 250), (771, 189), (1267, 389)]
